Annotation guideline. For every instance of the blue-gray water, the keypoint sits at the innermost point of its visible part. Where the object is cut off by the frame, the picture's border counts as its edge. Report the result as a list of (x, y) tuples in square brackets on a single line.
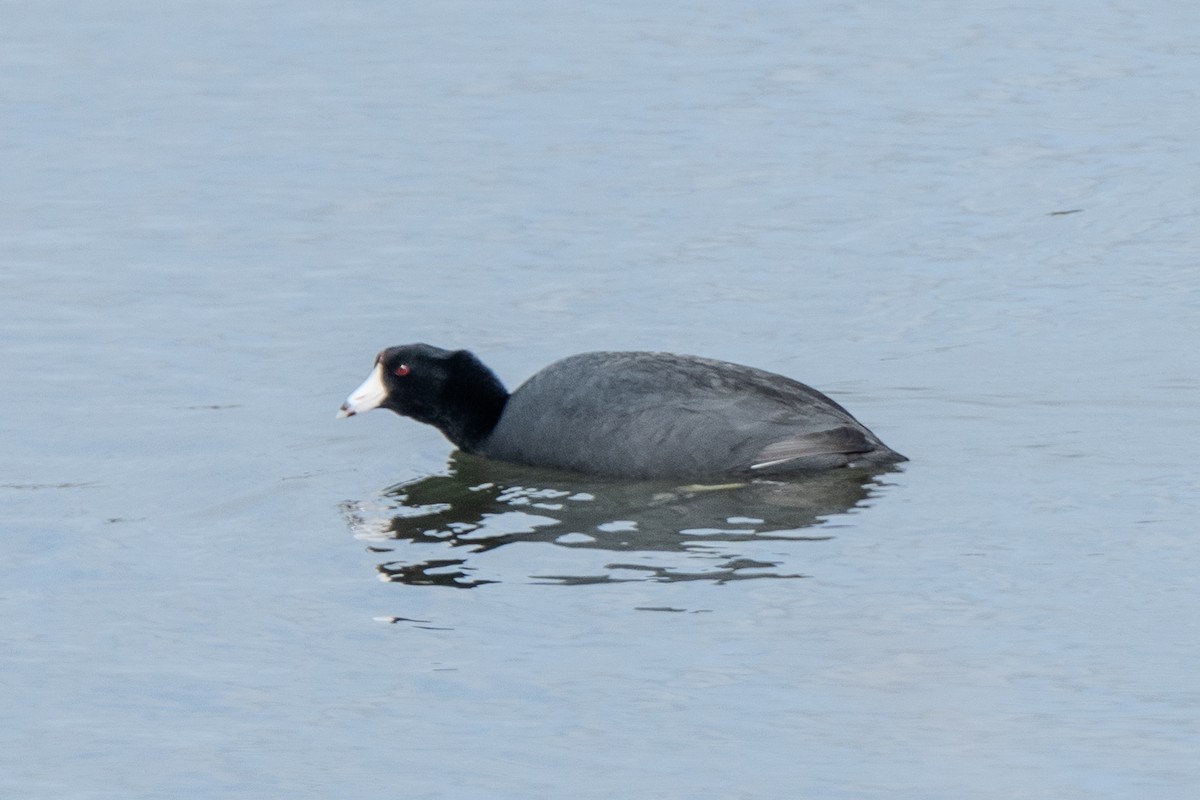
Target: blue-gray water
[(214, 214)]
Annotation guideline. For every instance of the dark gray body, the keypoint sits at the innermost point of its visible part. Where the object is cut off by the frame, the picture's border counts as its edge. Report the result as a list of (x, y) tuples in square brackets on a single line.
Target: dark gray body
[(676, 416)]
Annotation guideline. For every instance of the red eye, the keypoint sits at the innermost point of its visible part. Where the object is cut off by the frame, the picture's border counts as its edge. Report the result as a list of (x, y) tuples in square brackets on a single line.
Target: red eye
[(402, 370)]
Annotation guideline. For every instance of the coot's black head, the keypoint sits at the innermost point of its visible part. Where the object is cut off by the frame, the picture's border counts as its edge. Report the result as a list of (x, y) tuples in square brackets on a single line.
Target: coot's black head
[(449, 389)]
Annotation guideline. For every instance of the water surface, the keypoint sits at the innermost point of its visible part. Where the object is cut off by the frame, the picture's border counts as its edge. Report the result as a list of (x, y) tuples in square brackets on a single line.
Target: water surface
[(216, 213)]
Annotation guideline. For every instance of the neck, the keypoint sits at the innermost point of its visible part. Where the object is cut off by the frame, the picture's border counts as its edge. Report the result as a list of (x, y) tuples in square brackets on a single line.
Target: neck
[(472, 402)]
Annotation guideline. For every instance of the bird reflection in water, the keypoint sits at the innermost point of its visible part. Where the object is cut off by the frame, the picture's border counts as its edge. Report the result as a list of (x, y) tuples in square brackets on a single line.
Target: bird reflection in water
[(444, 525)]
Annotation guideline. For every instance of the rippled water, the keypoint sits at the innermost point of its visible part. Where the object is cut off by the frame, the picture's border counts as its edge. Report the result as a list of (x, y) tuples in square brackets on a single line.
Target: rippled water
[(973, 226), (442, 529)]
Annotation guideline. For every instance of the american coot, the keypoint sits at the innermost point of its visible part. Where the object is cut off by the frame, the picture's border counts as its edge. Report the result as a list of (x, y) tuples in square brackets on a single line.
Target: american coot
[(639, 415)]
